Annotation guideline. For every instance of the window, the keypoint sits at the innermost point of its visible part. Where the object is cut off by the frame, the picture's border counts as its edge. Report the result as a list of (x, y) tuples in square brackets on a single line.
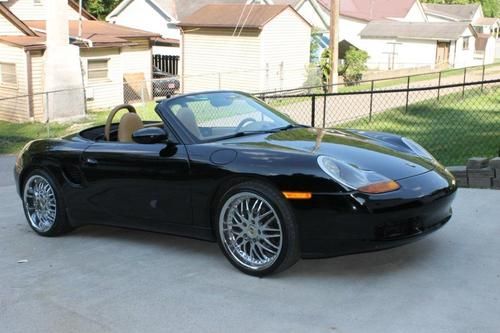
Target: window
[(97, 69), (212, 116), (8, 73), (466, 43)]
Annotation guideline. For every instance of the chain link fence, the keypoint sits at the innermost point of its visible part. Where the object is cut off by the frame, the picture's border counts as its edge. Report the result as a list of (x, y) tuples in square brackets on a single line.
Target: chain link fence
[(455, 114), (454, 122)]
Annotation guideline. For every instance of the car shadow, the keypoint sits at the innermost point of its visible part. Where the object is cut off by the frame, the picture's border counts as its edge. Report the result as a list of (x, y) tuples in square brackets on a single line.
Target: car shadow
[(385, 262), (364, 265)]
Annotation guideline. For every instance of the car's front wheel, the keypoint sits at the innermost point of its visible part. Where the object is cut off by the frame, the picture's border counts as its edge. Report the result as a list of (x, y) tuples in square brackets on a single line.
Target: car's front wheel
[(256, 229), (43, 205)]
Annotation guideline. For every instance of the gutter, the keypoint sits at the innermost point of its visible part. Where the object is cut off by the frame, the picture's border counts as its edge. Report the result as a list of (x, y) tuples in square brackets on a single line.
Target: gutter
[(87, 41)]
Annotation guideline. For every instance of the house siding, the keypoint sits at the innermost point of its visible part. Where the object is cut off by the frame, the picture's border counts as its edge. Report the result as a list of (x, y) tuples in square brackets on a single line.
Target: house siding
[(213, 58), (8, 29), (14, 109), (308, 12), (105, 93), (464, 58), (136, 60), (28, 10), (142, 14), (285, 52), (37, 70), (410, 53), (416, 14), (349, 30)]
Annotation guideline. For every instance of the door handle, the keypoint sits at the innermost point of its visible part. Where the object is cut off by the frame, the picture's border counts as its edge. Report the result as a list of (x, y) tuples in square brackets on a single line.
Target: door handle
[(91, 161)]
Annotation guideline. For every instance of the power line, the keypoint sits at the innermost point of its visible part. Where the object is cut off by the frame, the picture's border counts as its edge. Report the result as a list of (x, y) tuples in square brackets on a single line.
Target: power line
[(239, 20), (246, 19)]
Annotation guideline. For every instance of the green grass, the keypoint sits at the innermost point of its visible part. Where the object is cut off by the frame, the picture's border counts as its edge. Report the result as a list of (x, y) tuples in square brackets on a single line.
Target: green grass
[(13, 136), (387, 83), (453, 129)]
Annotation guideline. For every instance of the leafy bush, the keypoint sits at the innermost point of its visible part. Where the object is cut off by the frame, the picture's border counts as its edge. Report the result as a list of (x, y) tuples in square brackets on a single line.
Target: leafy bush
[(354, 66)]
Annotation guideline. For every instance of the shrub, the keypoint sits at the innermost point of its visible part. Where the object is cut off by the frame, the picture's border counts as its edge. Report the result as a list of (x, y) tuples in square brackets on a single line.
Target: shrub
[(354, 66)]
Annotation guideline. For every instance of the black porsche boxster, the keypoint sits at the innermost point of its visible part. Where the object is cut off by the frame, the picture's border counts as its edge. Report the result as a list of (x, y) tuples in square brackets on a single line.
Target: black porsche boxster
[(224, 166)]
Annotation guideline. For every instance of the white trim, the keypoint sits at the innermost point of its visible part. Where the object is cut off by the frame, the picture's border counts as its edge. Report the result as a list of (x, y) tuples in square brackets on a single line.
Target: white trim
[(422, 10), (125, 3), (441, 15)]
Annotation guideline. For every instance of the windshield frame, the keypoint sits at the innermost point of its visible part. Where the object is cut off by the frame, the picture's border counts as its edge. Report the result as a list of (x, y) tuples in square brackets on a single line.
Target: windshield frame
[(165, 112)]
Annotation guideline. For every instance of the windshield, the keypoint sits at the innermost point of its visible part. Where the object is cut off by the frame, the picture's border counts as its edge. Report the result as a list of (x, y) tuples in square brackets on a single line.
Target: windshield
[(218, 115)]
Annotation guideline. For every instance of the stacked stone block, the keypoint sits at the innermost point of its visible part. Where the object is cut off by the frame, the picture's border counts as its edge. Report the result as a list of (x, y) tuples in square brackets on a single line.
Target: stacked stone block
[(479, 173), (495, 165)]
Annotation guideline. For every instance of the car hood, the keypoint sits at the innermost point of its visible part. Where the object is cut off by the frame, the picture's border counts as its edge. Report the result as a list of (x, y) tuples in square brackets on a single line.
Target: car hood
[(364, 152)]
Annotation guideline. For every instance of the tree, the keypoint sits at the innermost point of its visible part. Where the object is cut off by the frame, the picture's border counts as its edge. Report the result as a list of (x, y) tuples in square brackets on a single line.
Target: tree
[(491, 8), (354, 66), (325, 67), (100, 8)]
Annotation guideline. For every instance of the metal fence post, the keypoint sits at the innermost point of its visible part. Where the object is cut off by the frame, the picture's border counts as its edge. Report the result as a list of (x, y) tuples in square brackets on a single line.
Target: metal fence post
[(143, 100), (465, 80), (371, 99), (313, 110), (482, 78), (47, 120), (324, 110), (439, 85), (407, 94)]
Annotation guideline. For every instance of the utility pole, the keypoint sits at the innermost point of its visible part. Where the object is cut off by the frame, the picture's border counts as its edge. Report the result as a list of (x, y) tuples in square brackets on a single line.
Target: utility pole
[(334, 44)]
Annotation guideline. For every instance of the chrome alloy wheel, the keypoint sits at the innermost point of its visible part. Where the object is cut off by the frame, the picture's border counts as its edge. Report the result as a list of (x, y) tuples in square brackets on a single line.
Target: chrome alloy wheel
[(40, 203), (250, 230)]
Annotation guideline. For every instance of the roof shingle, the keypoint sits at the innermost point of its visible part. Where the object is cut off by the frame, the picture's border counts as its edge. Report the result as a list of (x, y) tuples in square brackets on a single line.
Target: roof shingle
[(232, 15), (457, 12), (415, 30), (369, 10)]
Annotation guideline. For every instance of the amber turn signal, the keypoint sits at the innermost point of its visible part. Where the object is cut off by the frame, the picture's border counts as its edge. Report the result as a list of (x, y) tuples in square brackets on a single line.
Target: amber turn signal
[(382, 187), (297, 195)]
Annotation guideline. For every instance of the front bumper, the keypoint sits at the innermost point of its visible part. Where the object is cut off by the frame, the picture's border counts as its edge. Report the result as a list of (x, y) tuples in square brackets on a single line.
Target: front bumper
[(339, 224)]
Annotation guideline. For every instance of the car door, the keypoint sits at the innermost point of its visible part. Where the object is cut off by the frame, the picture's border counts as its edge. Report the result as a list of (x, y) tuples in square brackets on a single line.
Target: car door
[(137, 185)]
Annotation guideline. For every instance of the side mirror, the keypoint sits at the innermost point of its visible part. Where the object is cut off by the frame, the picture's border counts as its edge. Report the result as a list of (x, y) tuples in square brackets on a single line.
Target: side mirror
[(150, 135)]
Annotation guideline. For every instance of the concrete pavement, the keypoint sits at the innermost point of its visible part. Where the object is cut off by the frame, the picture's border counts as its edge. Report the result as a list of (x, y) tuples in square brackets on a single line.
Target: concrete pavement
[(7, 163), (99, 279)]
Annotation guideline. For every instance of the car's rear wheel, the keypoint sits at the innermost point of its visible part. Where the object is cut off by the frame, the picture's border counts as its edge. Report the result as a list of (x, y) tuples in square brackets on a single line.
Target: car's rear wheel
[(43, 205), (256, 229)]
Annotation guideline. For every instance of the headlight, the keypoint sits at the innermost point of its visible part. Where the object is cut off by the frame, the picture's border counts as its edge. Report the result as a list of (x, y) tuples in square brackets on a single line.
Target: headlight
[(356, 179), (418, 149)]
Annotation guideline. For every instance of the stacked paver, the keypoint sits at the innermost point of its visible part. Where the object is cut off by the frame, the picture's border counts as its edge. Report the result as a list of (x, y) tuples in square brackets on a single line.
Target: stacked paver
[(479, 173)]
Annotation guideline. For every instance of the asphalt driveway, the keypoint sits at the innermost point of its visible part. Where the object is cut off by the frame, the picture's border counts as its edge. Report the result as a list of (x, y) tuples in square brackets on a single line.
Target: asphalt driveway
[(109, 280)]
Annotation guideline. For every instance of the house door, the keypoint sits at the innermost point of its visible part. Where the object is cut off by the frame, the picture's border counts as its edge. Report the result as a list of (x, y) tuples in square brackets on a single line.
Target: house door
[(442, 53)]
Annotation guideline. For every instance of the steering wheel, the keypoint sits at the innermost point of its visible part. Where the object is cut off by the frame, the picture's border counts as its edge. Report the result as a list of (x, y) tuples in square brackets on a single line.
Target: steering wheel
[(244, 122), (112, 114)]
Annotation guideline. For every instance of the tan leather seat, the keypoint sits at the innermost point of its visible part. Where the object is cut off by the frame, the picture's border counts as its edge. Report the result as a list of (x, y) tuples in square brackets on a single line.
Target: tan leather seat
[(129, 123), (187, 118)]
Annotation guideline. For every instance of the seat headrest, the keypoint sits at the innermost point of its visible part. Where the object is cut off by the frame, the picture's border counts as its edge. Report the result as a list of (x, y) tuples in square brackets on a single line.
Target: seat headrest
[(187, 118), (129, 123)]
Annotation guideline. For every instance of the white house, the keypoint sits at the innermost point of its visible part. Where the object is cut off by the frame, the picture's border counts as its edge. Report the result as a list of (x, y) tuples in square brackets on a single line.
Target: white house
[(159, 16), (400, 34), (111, 56), (487, 28), (270, 51), (419, 43)]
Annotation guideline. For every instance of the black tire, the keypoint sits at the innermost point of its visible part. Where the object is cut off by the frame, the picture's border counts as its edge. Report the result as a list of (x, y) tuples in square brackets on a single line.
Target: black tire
[(60, 225), (289, 252)]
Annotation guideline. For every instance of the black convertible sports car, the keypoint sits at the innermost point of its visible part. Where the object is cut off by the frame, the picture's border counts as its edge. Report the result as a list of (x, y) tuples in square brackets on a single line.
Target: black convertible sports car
[(226, 167)]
